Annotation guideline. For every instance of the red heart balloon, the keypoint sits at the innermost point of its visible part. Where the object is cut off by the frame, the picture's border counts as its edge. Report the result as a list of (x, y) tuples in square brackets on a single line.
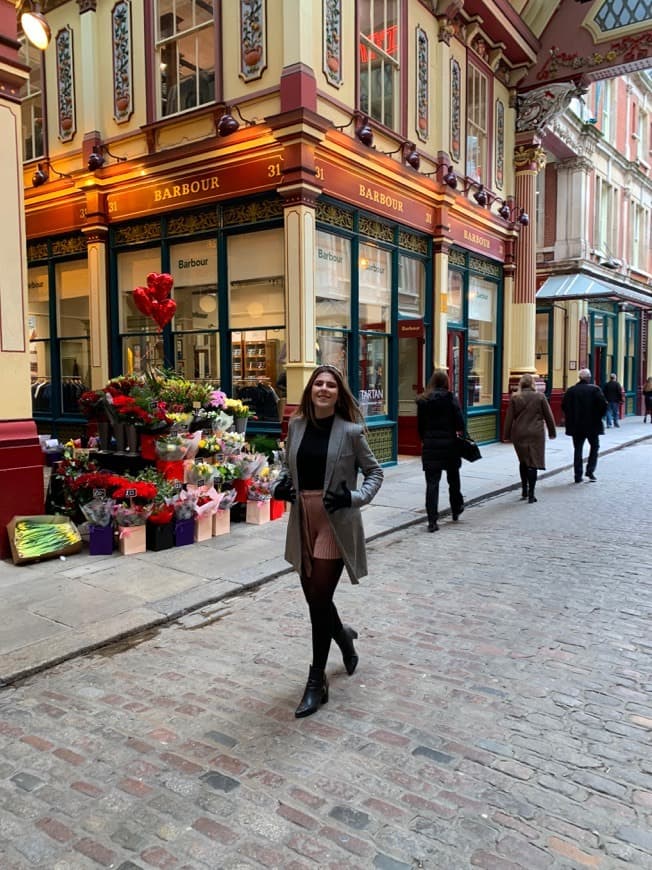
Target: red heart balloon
[(164, 311), (159, 285), (142, 301)]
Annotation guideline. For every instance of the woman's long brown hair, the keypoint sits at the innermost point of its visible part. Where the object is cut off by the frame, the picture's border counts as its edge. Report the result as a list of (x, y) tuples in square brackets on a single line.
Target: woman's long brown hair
[(345, 407), (438, 381)]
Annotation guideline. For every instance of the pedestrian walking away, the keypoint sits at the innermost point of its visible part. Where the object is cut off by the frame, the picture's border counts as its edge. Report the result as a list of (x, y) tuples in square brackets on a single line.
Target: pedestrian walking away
[(528, 415), (647, 397), (439, 421), (613, 393), (326, 448), (584, 406)]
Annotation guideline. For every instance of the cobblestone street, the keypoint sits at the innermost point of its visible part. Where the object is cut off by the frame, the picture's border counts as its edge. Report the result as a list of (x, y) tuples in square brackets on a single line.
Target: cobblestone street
[(500, 716)]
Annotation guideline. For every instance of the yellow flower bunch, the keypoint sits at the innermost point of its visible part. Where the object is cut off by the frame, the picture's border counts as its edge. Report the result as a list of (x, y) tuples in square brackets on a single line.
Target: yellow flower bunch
[(238, 408)]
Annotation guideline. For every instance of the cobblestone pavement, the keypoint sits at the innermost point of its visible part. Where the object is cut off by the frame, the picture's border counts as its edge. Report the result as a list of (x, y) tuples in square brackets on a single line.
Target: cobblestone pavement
[(500, 717)]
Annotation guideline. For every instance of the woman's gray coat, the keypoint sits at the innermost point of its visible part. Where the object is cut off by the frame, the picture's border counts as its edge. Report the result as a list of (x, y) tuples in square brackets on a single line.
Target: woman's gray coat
[(348, 453), (528, 414)]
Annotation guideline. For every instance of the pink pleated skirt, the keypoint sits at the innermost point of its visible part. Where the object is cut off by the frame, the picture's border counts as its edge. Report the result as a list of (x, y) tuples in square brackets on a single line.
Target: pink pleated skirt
[(317, 539)]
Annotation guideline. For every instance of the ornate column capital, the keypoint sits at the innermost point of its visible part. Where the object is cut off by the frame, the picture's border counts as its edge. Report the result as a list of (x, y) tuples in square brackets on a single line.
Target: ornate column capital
[(574, 164), (529, 157)]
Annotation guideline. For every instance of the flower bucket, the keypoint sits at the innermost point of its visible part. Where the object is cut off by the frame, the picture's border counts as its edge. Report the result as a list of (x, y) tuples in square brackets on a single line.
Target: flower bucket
[(120, 435), (258, 512), (241, 425), (147, 450), (100, 540), (276, 509), (221, 523), (242, 488), (184, 532), (160, 536), (203, 527), (132, 539)]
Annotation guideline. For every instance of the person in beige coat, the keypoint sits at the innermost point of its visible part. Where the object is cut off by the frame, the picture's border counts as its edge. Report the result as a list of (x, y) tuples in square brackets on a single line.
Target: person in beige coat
[(528, 415), (325, 451)]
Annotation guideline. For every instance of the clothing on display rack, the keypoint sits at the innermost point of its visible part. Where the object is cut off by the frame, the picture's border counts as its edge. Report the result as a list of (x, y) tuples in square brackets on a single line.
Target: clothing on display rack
[(71, 390), (261, 398)]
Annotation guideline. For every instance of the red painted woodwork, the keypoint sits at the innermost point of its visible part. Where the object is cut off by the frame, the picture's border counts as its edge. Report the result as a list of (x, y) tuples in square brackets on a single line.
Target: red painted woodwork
[(21, 475)]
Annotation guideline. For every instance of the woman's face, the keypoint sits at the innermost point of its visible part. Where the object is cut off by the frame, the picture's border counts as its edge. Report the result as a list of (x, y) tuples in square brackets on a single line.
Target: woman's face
[(324, 394)]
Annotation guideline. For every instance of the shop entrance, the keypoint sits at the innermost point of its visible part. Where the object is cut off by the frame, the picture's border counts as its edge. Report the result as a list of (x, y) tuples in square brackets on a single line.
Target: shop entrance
[(410, 383), (455, 361)]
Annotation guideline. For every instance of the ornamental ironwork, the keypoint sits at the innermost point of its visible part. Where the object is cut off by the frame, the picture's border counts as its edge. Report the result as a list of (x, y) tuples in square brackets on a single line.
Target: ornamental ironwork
[(122, 65), (422, 127), (65, 84), (332, 26)]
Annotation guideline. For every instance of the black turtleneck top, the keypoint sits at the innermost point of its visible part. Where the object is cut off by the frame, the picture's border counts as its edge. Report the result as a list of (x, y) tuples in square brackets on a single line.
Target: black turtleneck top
[(312, 453)]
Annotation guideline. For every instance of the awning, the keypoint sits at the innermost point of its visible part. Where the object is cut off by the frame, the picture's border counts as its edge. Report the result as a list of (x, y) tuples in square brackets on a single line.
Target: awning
[(580, 286)]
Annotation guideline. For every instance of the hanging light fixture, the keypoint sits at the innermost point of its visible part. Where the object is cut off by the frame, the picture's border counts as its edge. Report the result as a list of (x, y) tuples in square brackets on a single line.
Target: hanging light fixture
[(42, 174), (96, 159), (508, 211), (449, 177), (36, 28)]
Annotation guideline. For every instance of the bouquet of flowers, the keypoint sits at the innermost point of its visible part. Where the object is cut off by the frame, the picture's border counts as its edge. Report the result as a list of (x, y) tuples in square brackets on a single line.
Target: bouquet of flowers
[(183, 504), (192, 443), (221, 422), (237, 408), (99, 511), (161, 515), (223, 474), (226, 500), (182, 395), (92, 404), (231, 443), (170, 448), (206, 500), (199, 473), (209, 445), (180, 420), (247, 465), (134, 502), (260, 489)]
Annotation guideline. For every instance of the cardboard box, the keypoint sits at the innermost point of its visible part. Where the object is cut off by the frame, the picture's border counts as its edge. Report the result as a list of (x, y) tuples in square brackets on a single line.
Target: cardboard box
[(66, 550), (184, 532), (258, 512), (132, 539), (204, 527), (221, 523)]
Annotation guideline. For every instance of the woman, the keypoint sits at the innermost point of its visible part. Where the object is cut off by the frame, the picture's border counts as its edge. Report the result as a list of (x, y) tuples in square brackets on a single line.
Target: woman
[(527, 415), (647, 396), (325, 449), (439, 420)]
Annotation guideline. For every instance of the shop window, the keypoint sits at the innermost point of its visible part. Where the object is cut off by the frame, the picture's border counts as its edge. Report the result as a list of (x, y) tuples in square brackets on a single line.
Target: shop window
[(374, 311), (193, 266), (477, 101), (333, 300), (411, 287), (73, 329), (257, 320), (454, 297), (482, 341), (142, 344), (38, 324), (31, 96), (630, 356), (542, 344), (379, 59), (185, 54)]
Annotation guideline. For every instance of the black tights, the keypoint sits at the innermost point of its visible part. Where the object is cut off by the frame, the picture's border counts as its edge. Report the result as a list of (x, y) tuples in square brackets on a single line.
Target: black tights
[(319, 590), (528, 478)]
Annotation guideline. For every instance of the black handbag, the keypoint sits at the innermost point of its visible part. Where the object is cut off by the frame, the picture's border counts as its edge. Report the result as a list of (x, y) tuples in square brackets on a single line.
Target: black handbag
[(467, 448)]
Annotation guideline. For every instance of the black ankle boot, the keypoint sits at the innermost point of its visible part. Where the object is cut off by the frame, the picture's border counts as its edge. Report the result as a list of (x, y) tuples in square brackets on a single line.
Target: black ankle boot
[(524, 493), (315, 693), (344, 639)]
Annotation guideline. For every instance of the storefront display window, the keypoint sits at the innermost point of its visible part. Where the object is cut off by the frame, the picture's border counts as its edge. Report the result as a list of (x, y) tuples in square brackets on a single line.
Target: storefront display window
[(411, 287), (375, 277), (482, 309), (38, 324), (193, 266), (333, 281), (373, 379), (257, 319), (482, 338), (73, 330), (480, 377), (144, 346), (454, 304)]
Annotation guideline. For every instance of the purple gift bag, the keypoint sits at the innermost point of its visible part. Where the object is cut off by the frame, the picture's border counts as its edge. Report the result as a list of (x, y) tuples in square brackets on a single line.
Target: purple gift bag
[(100, 540), (184, 532)]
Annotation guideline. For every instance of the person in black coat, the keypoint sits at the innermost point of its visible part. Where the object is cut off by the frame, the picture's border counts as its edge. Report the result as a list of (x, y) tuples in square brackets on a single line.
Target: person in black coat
[(584, 406), (439, 419)]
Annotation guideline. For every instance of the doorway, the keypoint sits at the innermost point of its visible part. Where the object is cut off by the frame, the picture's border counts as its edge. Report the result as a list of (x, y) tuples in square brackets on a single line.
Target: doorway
[(411, 383), (455, 357)]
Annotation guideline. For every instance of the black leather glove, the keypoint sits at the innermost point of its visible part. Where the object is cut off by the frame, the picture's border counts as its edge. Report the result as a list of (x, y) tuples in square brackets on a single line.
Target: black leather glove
[(284, 490), (340, 498)]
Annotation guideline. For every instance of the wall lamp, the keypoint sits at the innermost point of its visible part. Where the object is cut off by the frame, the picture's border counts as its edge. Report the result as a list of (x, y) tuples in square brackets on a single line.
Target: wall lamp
[(34, 25), (42, 174), (96, 159), (482, 196), (512, 213), (409, 154), (363, 130), (448, 177), (228, 124)]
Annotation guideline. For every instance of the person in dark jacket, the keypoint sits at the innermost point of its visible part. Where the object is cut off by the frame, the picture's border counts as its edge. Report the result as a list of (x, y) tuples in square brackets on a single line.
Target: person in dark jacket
[(528, 415), (584, 406), (439, 419), (613, 393)]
